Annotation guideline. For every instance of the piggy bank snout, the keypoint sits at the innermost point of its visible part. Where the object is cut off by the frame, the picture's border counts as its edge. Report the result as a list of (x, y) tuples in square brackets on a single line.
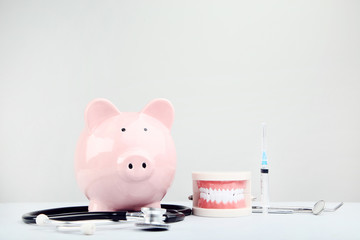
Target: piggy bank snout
[(136, 168)]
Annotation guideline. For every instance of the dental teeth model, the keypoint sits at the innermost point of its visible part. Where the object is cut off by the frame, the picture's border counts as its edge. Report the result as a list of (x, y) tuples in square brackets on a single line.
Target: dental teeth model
[(221, 194)]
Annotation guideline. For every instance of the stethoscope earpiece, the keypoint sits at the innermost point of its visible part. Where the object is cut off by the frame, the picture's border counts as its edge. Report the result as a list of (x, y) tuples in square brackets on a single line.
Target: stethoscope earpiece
[(42, 220)]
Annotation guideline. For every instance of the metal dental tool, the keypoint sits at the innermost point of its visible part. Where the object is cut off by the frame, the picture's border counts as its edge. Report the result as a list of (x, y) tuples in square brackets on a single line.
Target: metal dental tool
[(317, 209)]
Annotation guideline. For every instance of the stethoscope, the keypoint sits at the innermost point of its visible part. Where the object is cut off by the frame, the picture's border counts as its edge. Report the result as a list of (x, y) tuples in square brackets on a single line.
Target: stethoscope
[(70, 218)]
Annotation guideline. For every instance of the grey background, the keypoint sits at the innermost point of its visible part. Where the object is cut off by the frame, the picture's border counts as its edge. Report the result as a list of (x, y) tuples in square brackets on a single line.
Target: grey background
[(225, 65)]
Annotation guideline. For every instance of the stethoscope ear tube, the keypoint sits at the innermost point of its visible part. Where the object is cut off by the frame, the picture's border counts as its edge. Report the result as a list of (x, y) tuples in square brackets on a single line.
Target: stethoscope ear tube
[(173, 216), (175, 213)]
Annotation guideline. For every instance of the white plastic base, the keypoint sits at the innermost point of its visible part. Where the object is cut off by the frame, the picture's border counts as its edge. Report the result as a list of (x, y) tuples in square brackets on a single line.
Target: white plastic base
[(206, 212)]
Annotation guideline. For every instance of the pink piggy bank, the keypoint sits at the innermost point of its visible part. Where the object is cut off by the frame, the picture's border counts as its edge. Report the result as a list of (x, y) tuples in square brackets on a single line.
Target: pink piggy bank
[(125, 160)]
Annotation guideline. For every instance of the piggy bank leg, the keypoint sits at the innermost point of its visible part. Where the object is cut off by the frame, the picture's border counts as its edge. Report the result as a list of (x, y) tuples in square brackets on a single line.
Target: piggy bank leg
[(154, 205), (98, 206)]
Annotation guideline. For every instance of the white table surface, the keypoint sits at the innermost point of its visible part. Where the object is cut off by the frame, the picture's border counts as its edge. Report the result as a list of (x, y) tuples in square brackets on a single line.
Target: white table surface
[(342, 224)]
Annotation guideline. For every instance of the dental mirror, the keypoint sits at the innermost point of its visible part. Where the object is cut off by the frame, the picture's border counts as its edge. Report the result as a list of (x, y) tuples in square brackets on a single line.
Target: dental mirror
[(318, 207)]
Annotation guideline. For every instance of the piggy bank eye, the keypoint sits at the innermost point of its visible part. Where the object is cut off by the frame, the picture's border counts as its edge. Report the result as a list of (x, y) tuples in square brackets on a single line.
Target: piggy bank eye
[(145, 129), (123, 129)]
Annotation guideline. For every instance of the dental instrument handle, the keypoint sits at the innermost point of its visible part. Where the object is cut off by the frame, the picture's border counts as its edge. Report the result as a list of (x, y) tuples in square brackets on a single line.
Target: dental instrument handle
[(273, 211)]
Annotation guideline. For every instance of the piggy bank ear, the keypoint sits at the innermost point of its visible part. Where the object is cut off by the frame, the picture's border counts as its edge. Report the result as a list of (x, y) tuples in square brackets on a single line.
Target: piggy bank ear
[(97, 111), (162, 110)]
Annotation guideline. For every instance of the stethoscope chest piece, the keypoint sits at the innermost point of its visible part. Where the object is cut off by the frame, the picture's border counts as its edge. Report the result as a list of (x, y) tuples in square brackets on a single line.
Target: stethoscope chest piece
[(153, 220)]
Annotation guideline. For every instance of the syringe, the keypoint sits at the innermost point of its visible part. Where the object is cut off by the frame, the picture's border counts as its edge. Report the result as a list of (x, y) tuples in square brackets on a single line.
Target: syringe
[(264, 173)]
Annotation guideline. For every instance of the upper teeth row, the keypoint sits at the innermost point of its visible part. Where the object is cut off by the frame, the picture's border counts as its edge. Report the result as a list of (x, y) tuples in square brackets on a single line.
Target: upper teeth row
[(224, 196)]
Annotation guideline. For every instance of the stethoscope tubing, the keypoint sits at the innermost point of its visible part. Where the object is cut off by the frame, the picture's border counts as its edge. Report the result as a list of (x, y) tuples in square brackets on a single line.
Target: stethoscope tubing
[(174, 213)]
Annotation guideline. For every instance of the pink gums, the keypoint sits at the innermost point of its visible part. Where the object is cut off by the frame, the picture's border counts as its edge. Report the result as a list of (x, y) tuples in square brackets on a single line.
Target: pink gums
[(221, 185)]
